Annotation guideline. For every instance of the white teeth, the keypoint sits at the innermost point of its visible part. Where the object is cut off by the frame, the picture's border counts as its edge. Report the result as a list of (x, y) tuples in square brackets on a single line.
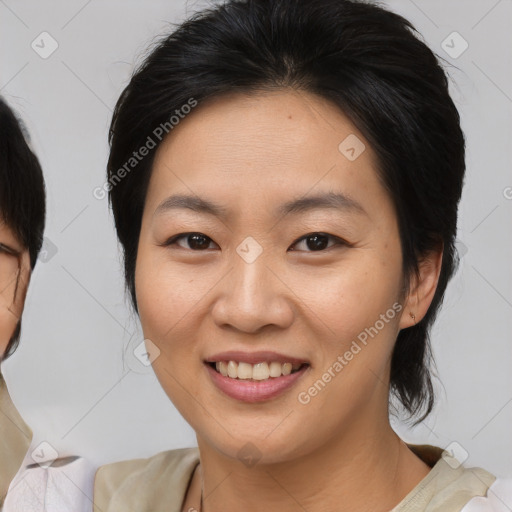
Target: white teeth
[(222, 367), (287, 368), (244, 371), (232, 370), (275, 369), (258, 371)]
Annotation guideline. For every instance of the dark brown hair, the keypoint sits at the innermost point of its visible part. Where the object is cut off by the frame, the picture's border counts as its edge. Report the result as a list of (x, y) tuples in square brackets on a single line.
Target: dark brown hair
[(366, 60), (22, 193)]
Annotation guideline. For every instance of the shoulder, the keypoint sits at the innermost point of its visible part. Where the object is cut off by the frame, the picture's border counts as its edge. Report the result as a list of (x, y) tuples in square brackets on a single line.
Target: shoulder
[(145, 484), (61, 484), (497, 499), (450, 486), (15, 437)]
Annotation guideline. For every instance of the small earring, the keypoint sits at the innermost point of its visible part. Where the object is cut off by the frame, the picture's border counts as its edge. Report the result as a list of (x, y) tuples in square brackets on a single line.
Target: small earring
[(413, 317)]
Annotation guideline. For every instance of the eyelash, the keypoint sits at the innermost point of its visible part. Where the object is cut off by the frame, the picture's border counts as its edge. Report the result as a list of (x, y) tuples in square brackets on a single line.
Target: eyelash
[(7, 250), (339, 241)]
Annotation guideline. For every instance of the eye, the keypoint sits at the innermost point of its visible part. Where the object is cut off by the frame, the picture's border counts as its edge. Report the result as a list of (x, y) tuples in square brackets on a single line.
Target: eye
[(318, 242), (315, 242), (195, 241), (8, 250)]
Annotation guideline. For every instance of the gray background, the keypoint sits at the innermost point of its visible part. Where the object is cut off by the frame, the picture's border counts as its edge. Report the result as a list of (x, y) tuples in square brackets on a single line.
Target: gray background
[(75, 378)]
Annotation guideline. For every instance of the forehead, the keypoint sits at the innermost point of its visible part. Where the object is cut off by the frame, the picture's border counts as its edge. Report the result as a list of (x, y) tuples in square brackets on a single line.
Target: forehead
[(269, 145)]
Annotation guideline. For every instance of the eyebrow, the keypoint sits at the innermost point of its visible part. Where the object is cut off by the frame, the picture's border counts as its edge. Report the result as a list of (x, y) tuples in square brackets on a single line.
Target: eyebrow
[(329, 200)]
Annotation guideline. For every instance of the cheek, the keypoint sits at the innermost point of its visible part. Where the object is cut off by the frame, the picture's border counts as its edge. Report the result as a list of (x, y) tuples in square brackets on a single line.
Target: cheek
[(351, 298), (8, 324), (164, 294), (168, 296), (164, 300)]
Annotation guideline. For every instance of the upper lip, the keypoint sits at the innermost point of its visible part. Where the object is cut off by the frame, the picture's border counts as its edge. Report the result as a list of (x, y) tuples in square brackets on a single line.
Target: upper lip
[(254, 357)]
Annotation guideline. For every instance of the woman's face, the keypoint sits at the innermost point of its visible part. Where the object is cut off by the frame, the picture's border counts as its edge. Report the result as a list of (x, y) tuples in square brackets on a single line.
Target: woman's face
[(280, 273), (14, 277)]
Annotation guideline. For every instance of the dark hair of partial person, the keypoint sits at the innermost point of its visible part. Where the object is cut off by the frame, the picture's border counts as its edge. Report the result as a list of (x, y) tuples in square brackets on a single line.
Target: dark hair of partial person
[(22, 193), (369, 62)]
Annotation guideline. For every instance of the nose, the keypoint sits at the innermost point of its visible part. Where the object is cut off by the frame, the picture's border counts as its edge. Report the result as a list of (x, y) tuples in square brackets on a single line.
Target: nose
[(253, 296)]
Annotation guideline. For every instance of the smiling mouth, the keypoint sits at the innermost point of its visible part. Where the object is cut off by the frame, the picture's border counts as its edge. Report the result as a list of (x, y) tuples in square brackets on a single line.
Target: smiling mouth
[(255, 372)]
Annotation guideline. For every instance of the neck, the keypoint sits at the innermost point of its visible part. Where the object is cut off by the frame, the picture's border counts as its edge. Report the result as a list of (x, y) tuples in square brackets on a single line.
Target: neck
[(338, 473)]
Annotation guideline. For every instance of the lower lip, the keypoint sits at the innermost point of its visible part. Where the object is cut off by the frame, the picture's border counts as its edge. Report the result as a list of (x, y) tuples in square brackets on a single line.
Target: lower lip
[(254, 390)]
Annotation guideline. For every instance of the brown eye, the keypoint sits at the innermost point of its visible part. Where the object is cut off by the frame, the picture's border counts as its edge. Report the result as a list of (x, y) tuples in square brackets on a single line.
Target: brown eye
[(6, 249), (316, 242), (195, 241)]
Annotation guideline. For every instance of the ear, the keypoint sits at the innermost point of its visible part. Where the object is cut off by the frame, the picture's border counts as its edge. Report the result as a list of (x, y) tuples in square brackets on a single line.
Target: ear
[(422, 288)]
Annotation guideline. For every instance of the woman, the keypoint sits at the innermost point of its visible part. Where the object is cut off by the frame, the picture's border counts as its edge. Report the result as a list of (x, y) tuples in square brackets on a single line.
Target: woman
[(284, 178), (30, 479), (22, 218)]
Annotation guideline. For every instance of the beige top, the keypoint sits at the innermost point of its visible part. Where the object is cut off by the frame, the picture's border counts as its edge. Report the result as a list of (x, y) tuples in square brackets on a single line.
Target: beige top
[(15, 438), (159, 483)]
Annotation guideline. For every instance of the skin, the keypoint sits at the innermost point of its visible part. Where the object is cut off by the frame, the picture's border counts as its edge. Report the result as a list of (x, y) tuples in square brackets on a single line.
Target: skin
[(14, 278), (251, 153)]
